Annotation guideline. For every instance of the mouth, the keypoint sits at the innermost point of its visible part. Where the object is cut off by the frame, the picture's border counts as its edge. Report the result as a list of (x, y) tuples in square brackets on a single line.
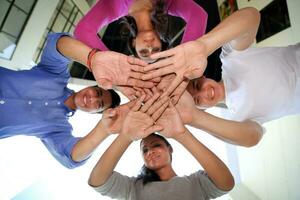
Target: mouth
[(85, 100), (148, 60), (212, 93)]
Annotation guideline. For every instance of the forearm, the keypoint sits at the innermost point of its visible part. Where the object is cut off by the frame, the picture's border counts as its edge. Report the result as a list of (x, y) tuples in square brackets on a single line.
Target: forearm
[(246, 133), (240, 29), (85, 146), (73, 49), (214, 167), (108, 161)]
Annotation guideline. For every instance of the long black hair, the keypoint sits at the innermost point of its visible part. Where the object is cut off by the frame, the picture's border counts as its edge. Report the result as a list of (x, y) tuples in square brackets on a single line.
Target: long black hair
[(159, 19), (147, 175)]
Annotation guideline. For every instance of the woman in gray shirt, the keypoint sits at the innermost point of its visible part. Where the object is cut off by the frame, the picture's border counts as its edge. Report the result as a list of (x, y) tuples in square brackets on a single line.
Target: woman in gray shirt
[(158, 180)]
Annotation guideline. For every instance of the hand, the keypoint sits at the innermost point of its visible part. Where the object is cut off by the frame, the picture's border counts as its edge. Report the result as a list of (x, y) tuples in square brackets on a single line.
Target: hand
[(139, 122), (186, 107), (171, 123), (113, 118), (130, 92), (176, 94), (187, 60), (111, 68)]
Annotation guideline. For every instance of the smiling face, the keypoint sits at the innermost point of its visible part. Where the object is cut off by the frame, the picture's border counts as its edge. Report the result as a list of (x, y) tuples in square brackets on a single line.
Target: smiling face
[(92, 99), (147, 43), (206, 92), (156, 153)]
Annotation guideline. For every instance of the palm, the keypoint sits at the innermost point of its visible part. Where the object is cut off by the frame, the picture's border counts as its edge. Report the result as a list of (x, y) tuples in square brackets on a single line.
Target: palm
[(135, 125), (171, 123), (185, 107), (113, 123), (112, 68)]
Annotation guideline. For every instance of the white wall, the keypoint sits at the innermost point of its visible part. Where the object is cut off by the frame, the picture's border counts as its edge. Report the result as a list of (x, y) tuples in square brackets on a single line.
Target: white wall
[(31, 35)]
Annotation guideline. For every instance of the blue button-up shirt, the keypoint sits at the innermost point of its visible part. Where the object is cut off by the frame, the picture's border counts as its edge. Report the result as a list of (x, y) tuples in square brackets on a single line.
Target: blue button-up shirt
[(32, 103)]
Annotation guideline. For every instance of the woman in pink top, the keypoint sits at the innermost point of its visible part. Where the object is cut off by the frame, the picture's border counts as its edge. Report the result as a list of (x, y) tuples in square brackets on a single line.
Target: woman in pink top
[(149, 18)]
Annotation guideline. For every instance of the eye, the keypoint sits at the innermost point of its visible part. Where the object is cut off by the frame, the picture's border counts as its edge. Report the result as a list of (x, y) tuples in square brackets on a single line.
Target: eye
[(155, 50), (156, 145), (145, 150)]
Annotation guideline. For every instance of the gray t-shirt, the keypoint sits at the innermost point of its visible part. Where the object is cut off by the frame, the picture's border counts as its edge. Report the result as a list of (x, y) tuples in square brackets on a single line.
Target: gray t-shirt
[(196, 186)]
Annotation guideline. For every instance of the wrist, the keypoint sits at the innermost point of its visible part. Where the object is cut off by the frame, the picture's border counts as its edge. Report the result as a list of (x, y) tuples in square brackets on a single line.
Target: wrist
[(90, 57), (102, 127), (180, 136)]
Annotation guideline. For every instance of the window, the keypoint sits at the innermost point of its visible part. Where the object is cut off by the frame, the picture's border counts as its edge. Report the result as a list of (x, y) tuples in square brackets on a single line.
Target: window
[(64, 19), (14, 15)]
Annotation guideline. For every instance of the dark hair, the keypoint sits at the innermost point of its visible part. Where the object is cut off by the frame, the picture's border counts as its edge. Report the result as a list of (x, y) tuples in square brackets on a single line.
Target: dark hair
[(148, 175), (115, 98), (159, 19)]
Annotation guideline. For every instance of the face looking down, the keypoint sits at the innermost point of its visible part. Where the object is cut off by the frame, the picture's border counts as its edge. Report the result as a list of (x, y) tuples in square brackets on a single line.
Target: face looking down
[(206, 92), (93, 99)]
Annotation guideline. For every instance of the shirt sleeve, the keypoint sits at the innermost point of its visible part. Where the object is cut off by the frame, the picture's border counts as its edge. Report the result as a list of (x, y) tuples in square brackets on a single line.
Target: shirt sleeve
[(60, 145), (194, 16), (101, 14), (52, 60), (207, 186), (117, 186)]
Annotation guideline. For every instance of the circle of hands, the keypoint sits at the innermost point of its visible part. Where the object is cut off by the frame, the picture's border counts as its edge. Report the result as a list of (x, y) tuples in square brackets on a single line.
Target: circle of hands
[(158, 100)]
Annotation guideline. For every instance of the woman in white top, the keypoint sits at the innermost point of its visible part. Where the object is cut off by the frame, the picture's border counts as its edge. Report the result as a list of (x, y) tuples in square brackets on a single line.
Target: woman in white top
[(259, 84)]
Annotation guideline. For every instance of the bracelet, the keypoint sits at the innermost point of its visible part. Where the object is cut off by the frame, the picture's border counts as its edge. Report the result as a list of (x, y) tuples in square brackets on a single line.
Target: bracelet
[(89, 58)]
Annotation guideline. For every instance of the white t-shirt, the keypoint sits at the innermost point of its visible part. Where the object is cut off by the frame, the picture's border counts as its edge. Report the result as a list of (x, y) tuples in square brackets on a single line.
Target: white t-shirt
[(261, 84)]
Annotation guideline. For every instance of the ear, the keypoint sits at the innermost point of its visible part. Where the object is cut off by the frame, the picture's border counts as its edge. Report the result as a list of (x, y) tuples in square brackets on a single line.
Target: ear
[(170, 149), (133, 43)]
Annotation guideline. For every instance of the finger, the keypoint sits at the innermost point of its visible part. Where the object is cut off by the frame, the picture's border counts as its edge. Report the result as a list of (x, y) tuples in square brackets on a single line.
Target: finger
[(138, 104), (136, 75), (139, 83), (158, 73), (160, 111), (137, 68), (179, 91), (162, 54), (155, 90), (174, 84), (104, 83), (156, 80), (157, 105), (147, 105), (135, 61), (148, 92), (152, 129), (159, 64)]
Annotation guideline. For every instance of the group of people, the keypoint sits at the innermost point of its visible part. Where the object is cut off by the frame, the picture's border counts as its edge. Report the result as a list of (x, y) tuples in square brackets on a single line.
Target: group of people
[(166, 89)]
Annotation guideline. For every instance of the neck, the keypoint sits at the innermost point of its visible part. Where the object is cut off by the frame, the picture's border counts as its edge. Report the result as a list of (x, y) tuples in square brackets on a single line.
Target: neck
[(142, 18), (166, 173), (70, 102)]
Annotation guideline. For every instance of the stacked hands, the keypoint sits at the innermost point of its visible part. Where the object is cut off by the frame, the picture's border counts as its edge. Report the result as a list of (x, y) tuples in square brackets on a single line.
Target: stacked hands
[(157, 90), (134, 77)]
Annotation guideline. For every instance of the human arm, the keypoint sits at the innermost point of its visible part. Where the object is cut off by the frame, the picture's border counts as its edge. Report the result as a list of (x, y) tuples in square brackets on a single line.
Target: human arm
[(136, 125), (110, 123), (214, 167), (194, 16), (101, 14), (245, 133), (109, 68), (190, 59)]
